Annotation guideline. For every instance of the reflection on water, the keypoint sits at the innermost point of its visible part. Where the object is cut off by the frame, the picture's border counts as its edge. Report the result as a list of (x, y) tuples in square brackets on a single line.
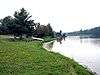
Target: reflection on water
[(48, 45), (86, 51)]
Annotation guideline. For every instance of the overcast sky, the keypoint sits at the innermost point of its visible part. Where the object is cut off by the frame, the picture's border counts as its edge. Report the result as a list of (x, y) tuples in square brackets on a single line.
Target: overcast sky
[(65, 15)]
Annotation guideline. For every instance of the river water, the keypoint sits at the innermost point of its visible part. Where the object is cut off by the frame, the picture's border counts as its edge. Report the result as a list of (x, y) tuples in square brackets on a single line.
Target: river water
[(86, 51)]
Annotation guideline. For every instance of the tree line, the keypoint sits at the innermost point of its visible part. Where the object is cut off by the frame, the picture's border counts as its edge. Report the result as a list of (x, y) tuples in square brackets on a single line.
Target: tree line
[(22, 24), (93, 32)]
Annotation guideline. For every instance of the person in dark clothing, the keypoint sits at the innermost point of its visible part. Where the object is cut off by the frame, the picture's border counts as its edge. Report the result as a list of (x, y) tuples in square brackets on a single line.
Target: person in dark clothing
[(64, 36)]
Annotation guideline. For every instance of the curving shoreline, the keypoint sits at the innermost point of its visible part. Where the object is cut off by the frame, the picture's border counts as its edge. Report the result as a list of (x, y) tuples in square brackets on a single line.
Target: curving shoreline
[(48, 47)]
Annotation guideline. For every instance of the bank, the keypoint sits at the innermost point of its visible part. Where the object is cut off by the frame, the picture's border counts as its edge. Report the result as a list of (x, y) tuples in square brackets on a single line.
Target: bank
[(30, 58)]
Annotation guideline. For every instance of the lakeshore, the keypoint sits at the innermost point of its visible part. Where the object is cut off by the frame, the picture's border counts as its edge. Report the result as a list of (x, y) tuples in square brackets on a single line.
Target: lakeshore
[(30, 58), (85, 51)]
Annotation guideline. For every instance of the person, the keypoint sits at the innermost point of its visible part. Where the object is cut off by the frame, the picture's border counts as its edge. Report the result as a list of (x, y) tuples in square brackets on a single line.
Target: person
[(64, 36), (60, 39)]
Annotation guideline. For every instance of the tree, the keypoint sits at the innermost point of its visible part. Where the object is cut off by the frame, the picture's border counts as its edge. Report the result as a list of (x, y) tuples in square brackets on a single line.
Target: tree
[(40, 30), (23, 24), (49, 30), (43, 30), (7, 25)]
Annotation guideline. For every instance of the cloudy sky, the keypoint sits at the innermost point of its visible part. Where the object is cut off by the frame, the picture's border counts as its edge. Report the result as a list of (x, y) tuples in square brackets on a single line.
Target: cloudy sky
[(65, 15)]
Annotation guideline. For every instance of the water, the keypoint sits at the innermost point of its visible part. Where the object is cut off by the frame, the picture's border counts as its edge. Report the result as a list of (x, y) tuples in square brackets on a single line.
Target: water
[(86, 51)]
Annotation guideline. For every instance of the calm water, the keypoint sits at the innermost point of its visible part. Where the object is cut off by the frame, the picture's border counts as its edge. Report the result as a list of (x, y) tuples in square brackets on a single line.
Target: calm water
[(86, 51)]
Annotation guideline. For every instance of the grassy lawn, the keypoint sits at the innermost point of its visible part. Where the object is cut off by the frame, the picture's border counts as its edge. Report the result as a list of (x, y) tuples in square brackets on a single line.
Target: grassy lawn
[(48, 39), (29, 58)]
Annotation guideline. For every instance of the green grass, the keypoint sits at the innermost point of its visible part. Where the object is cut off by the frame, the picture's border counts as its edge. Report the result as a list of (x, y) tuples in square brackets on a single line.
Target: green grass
[(48, 38), (29, 58)]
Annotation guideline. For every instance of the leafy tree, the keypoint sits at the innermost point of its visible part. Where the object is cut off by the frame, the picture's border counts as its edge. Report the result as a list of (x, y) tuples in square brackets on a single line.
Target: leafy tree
[(43, 30), (23, 24), (49, 30), (7, 25), (40, 30)]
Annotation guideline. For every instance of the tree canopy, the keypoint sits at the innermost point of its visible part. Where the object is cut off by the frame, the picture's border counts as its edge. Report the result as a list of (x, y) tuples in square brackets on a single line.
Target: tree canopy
[(22, 24)]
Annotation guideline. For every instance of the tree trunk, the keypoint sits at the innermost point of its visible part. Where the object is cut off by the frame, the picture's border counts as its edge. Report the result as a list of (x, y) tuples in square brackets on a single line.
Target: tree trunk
[(20, 36), (14, 36)]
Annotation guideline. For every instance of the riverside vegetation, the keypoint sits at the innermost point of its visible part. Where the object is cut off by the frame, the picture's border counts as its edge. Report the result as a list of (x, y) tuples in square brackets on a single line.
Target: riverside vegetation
[(19, 57)]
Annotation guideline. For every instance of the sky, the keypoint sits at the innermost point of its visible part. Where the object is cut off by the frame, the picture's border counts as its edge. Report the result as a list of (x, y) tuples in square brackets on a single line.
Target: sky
[(65, 15)]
